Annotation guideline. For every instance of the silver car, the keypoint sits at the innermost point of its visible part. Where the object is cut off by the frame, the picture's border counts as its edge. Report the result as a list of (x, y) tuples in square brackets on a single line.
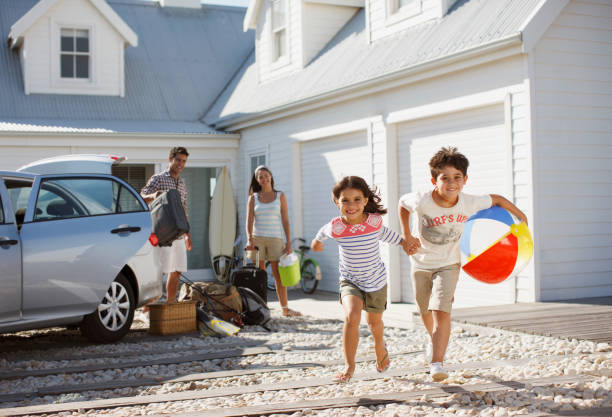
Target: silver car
[(76, 247)]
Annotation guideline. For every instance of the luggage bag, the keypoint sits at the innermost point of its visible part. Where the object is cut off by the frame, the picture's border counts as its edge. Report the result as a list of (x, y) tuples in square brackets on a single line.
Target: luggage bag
[(168, 215), (250, 276)]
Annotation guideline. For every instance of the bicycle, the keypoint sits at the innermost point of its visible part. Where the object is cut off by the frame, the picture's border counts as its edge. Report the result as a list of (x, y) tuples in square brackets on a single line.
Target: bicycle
[(309, 269)]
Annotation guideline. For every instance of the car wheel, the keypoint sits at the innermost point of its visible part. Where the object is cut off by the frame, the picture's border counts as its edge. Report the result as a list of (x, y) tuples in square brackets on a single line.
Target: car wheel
[(113, 317)]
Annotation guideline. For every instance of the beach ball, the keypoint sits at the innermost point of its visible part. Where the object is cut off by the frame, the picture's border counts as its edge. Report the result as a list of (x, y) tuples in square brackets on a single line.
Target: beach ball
[(494, 246)]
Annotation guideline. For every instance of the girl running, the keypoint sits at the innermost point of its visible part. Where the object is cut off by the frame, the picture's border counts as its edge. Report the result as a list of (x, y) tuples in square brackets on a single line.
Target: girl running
[(363, 279)]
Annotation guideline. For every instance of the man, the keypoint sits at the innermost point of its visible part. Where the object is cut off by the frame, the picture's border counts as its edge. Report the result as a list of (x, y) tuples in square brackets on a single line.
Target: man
[(173, 258)]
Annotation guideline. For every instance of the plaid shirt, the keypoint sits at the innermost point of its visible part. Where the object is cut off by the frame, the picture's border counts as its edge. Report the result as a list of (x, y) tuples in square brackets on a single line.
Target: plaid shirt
[(164, 181)]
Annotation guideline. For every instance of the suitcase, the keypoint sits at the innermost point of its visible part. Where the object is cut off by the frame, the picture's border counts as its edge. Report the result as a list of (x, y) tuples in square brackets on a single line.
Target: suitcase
[(250, 276), (168, 215)]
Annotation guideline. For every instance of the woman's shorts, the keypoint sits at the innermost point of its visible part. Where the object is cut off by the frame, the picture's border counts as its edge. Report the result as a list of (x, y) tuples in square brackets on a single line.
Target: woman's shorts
[(174, 258), (270, 248), (374, 302), (434, 289)]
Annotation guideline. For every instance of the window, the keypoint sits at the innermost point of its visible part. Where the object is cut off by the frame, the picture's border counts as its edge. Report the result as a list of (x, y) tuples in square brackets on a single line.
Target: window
[(79, 197), (279, 29), (257, 160), (400, 9), (75, 54)]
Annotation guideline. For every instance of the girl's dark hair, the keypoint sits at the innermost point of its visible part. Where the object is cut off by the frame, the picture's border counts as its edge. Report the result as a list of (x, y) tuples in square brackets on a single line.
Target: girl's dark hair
[(255, 187), (374, 205)]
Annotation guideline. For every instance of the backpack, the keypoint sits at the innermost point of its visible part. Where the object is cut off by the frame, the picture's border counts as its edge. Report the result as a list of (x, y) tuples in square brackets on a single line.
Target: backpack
[(222, 300), (254, 308)]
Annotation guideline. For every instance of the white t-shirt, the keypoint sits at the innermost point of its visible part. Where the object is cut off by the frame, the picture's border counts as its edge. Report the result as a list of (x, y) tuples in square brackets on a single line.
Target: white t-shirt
[(440, 228)]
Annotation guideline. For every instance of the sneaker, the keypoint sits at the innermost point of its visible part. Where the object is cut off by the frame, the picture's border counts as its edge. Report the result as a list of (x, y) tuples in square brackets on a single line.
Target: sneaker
[(437, 372), (428, 352)]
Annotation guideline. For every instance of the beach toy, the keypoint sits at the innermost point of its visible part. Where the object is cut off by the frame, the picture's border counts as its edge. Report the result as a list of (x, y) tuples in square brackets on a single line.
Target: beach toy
[(494, 246), (289, 269)]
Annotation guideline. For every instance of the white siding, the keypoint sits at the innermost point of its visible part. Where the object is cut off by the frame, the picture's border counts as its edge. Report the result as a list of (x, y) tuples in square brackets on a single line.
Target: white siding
[(382, 24), (320, 23), (323, 163), (573, 145), (42, 51), (480, 135)]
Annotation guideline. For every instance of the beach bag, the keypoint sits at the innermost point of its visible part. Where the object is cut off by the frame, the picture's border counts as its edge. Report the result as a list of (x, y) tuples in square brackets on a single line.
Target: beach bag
[(168, 217), (222, 300), (254, 308)]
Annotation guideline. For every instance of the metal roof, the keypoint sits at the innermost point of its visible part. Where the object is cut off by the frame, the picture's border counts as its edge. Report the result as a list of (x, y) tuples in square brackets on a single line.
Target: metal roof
[(183, 60), (348, 60)]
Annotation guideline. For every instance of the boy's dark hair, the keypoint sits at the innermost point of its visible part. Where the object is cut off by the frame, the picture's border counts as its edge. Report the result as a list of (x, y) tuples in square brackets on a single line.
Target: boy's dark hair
[(448, 157), (255, 187), (178, 149), (358, 183)]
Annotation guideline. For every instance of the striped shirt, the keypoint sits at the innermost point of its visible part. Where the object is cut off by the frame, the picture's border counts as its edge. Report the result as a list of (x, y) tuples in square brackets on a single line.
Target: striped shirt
[(360, 261), (268, 221)]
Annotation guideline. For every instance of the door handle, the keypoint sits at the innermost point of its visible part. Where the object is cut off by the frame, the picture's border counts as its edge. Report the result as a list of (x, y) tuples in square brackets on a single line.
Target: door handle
[(124, 229), (4, 241)]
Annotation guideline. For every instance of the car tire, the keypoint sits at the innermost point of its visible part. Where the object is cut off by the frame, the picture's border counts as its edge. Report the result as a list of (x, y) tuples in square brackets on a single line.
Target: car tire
[(113, 317)]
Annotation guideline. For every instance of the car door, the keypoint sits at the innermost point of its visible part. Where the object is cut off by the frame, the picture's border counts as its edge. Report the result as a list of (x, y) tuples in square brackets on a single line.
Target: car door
[(10, 261), (76, 238)]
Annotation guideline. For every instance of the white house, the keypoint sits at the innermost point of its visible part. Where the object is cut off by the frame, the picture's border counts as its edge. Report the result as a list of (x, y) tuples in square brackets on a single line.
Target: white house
[(374, 87), (126, 77)]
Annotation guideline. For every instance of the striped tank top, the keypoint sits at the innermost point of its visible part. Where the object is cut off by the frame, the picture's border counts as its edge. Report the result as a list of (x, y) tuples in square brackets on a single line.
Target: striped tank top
[(268, 222)]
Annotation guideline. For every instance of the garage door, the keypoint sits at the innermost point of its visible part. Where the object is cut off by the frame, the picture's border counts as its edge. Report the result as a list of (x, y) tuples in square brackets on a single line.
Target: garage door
[(324, 162), (480, 135)]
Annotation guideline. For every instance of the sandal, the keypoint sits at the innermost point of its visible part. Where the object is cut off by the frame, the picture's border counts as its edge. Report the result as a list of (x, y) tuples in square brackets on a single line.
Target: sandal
[(287, 312), (343, 377), (380, 364)]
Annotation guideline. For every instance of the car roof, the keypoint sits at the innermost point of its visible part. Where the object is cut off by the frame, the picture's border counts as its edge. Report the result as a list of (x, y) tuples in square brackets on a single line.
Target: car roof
[(73, 164)]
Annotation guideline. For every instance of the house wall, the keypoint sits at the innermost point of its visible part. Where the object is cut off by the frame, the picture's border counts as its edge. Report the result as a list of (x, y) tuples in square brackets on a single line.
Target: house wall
[(503, 79), (572, 72), (320, 22), (42, 46)]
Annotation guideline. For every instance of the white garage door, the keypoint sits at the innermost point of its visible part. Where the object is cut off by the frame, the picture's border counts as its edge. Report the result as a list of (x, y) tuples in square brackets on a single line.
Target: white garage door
[(324, 162), (480, 135)]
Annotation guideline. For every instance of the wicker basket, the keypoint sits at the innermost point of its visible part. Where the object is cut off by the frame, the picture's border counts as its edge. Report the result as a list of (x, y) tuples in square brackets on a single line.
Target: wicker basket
[(172, 318)]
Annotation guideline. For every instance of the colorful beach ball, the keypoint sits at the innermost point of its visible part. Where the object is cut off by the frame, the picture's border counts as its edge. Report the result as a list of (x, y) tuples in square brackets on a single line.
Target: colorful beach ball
[(493, 246)]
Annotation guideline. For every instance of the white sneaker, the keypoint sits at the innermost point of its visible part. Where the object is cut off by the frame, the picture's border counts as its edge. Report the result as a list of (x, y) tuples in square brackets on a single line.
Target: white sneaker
[(437, 372), (428, 352)]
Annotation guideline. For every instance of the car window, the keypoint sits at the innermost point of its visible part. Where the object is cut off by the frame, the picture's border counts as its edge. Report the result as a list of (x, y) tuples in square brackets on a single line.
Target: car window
[(127, 201), (1, 212), (19, 193), (78, 197)]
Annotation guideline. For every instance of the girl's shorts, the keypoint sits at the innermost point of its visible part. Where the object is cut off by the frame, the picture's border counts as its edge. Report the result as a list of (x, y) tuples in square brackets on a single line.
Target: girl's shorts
[(374, 302), (270, 248)]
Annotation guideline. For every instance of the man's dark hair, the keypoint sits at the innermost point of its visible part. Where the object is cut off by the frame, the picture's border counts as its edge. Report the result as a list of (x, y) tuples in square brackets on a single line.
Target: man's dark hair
[(178, 149), (448, 157)]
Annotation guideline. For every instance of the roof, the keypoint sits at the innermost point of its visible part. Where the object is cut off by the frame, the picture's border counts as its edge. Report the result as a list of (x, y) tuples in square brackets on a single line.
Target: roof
[(349, 60), (183, 60), (43, 6)]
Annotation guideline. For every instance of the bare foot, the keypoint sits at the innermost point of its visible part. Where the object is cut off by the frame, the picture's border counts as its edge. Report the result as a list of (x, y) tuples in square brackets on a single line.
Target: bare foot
[(345, 376), (287, 312)]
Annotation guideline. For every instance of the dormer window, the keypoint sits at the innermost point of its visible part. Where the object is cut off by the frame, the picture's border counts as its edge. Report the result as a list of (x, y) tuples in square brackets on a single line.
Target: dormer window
[(75, 54), (279, 29), (401, 9)]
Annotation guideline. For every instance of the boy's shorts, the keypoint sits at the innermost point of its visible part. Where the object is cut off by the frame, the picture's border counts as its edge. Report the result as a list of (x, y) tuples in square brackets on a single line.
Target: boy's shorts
[(434, 289), (374, 302), (270, 248)]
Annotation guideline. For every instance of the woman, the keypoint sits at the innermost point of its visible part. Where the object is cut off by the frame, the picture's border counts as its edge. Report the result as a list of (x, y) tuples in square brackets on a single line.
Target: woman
[(266, 212)]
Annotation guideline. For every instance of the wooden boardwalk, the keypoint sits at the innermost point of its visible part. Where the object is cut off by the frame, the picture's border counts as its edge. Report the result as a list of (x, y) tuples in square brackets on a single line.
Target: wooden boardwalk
[(587, 318)]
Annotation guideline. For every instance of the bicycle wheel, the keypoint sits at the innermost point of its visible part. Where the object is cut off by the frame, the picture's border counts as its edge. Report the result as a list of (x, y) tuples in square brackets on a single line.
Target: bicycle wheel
[(271, 283), (309, 276)]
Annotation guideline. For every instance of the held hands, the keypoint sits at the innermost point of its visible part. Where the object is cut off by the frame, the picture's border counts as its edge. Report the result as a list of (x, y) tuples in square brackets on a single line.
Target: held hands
[(249, 244), (411, 244), (188, 242), (287, 249), (316, 246)]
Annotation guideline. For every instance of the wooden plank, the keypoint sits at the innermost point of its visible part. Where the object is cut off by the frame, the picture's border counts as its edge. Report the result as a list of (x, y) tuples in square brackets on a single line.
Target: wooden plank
[(533, 320), (195, 395), (64, 389), (378, 399), (508, 316), (133, 364)]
